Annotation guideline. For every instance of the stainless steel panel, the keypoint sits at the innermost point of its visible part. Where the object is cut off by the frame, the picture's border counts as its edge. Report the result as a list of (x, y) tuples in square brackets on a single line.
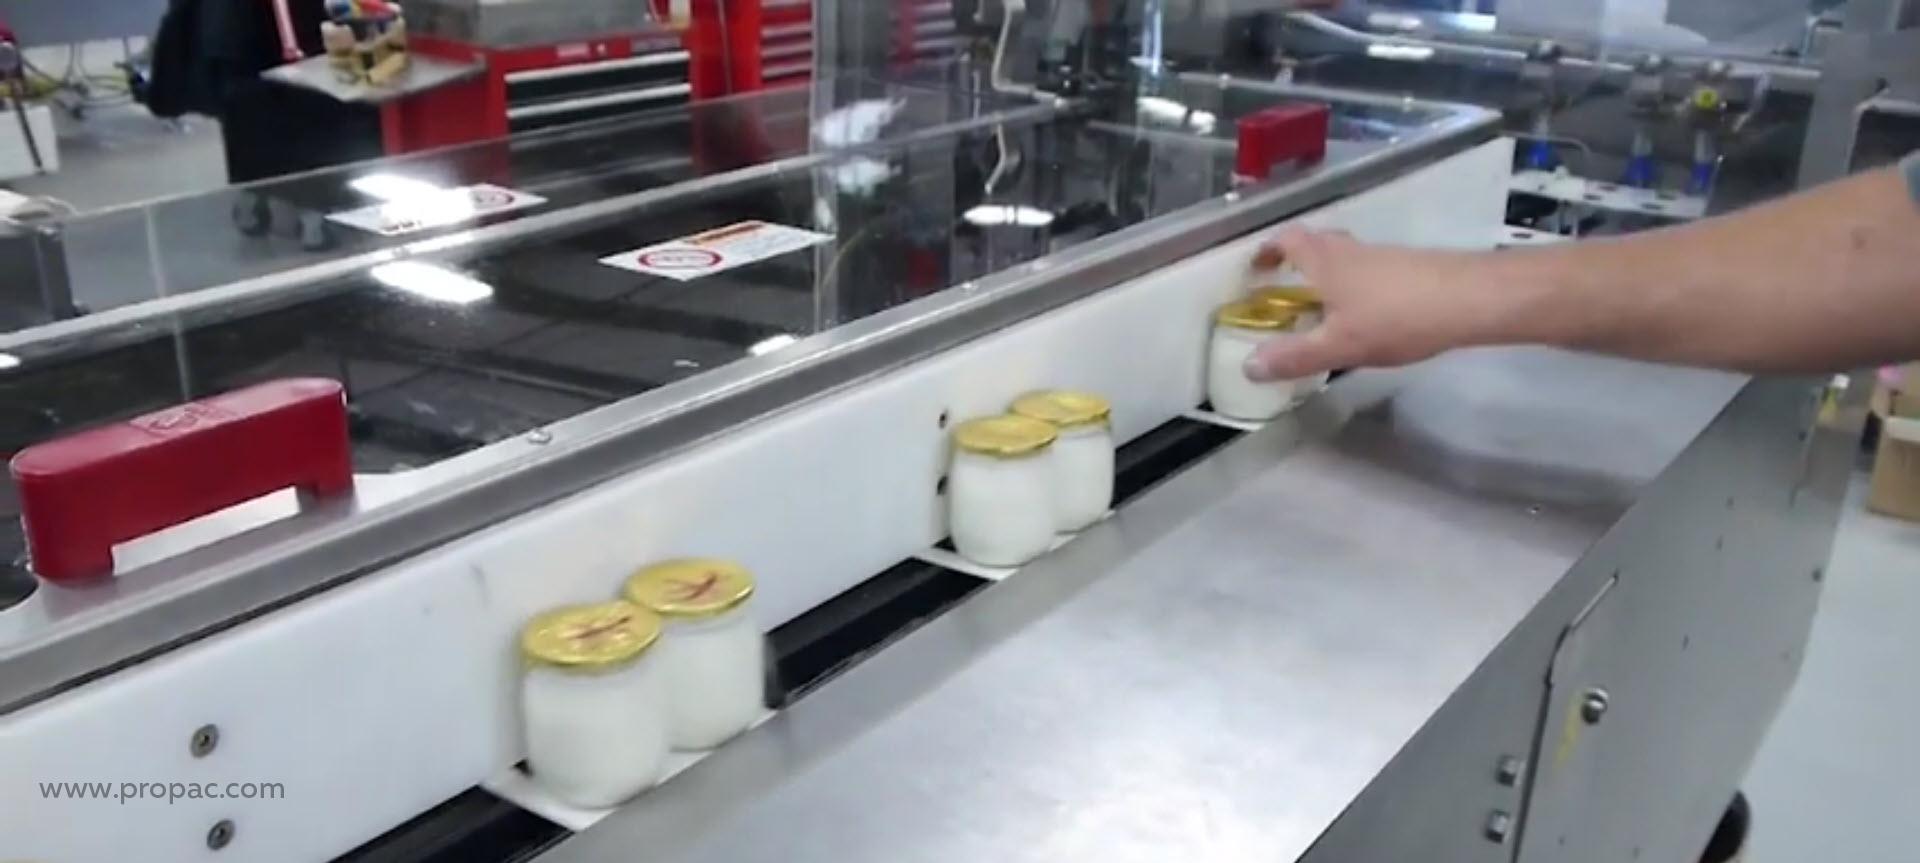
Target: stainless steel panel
[(1699, 643), (1292, 631), (1716, 580), (1859, 65)]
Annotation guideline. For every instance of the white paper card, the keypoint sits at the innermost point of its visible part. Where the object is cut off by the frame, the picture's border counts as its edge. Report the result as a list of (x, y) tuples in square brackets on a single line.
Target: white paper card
[(436, 209), (716, 251)]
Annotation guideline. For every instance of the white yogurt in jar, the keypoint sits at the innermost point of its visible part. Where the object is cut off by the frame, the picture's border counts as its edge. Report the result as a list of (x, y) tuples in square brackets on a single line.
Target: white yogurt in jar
[(1000, 503), (1082, 455), (593, 703), (713, 653), (1239, 329)]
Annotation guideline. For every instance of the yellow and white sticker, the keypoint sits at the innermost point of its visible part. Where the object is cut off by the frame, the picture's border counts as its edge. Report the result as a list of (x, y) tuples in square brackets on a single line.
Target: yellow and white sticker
[(716, 251)]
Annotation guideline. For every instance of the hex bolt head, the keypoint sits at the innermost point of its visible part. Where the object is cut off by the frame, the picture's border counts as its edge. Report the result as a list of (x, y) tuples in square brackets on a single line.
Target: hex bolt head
[(1593, 705), (1499, 826), (1508, 770)]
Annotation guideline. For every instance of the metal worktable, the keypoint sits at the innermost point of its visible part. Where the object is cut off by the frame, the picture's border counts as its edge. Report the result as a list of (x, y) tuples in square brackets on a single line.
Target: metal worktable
[(1292, 651)]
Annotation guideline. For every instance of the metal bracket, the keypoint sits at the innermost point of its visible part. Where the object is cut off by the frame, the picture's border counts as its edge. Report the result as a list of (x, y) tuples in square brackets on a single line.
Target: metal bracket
[(1610, 196)]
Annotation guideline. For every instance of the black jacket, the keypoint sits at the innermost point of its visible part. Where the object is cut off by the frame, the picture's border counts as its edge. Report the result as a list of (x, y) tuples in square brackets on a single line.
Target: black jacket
[(210, 53)]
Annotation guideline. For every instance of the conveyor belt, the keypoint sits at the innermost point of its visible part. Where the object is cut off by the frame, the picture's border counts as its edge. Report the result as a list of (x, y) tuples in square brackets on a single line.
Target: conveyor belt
[(807, 652)]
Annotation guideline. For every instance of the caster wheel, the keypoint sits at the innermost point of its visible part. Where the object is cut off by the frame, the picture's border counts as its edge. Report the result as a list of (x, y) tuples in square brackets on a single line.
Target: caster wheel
[(252, 215), (314, 234), (1731, 836)]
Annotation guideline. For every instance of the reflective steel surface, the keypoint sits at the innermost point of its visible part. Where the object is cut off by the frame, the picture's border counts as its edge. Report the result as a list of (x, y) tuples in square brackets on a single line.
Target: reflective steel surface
[(1216, 673)]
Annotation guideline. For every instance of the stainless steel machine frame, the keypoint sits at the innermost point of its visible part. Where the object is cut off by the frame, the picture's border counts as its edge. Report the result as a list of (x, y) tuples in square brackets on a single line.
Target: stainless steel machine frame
[(1331, 642), (1873, 66), (1345, 637)]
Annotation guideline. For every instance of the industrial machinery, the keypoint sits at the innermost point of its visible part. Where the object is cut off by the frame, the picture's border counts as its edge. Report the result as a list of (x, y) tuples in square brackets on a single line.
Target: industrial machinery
[(1626, 120), (1507, 605)]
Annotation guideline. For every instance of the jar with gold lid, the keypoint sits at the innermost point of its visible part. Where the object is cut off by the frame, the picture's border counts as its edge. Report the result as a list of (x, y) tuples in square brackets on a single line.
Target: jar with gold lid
[(712, 654), (1082, 454), (1239, 328), (1299, 298), (593, 702), (1000, 508)]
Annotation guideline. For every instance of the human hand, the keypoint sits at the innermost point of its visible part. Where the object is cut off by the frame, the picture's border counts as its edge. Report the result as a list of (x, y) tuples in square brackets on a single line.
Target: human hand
[(1385, 306)]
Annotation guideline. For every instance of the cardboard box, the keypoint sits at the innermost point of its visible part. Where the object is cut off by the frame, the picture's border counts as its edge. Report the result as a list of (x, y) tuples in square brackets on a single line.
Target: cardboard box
[(1896, 393), (1895, 487)]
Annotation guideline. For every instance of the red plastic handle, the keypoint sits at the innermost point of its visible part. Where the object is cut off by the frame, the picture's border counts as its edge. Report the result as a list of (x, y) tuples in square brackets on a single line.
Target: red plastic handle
[(83, 493), (1283, 133)]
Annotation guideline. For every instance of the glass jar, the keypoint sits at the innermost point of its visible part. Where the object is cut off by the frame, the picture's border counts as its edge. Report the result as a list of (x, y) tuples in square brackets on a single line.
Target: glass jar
[(1000, 490), (593, 702), (1082, 454), (1239, 329), (713, 653)]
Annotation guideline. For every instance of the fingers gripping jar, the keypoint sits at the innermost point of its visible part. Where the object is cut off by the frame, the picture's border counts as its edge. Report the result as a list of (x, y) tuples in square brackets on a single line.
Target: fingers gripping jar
[(593, 702), (1000, 490), (1239, 329), (713, 653), (1082, 454)]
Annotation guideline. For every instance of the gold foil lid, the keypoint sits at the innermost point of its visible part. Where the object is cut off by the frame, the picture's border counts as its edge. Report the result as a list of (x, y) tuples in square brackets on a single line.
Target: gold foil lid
[(1289, 297), (590, 638), (1005, 436), (1256, 315), (1064, 408), (691, 587)]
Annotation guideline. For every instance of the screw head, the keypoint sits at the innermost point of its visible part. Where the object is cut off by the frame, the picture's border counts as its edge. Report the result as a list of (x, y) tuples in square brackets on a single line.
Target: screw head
[(1499, 826), (220, 834), (539, 437), (203, 741), (1594, 705), (1508, 770)]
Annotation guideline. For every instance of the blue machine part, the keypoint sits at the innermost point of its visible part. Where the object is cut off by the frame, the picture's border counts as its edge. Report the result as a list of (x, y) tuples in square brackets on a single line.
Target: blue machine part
[(1538, 155), (1642, 173), (1701, 182)]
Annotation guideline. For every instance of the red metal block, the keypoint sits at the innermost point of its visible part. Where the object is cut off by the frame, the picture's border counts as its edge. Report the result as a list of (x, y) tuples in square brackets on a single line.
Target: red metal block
[(84, 493), (1283, 133)]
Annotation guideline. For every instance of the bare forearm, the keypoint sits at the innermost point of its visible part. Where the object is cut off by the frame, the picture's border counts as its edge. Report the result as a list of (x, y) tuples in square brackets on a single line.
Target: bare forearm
[(1824, 280)]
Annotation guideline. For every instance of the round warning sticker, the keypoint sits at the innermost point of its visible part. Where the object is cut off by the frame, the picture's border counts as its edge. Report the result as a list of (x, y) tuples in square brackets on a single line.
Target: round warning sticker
[(488, 198), (680, 259)]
